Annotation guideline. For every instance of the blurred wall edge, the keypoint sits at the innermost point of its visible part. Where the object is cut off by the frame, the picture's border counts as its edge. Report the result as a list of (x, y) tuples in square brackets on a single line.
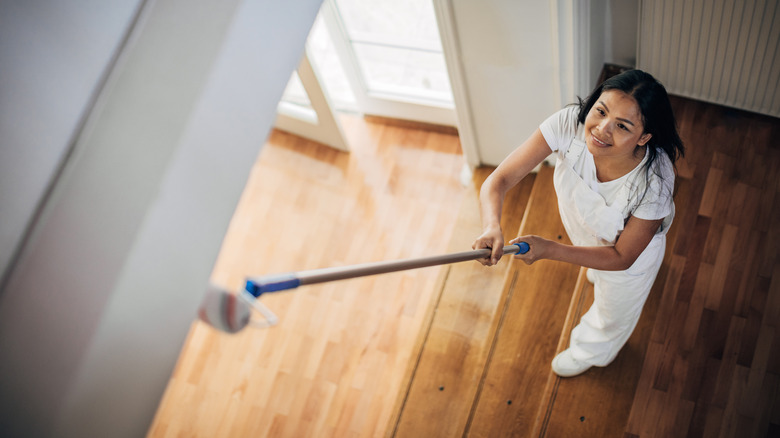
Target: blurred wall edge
[(127, 133)]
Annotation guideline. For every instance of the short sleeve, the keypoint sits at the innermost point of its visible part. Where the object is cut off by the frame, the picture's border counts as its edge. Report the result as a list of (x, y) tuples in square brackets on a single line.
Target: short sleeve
[(560, 128), (657, 201)]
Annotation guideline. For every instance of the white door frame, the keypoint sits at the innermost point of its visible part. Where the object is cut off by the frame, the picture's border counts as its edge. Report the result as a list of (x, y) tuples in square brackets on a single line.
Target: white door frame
[(376, 103), (325, 127), (445, 17), (570, 33)]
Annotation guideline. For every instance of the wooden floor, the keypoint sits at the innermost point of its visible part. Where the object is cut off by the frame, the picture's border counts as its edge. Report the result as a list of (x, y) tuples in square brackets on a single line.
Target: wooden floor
[(712, 365), (464, 350), (705, 357), (335, 363)]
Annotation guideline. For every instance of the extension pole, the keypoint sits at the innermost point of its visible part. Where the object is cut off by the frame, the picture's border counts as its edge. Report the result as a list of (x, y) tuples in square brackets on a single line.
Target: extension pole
[(274, 283)]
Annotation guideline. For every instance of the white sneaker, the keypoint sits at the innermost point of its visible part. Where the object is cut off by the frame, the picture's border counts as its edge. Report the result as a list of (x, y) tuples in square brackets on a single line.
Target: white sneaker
[(565, 365)]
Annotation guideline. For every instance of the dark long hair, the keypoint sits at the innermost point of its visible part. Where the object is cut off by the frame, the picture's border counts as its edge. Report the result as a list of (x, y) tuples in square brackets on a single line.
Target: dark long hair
[(657, 116)]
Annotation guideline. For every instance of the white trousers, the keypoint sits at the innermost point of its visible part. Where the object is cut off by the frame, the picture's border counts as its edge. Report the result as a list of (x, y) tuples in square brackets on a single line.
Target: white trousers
[(619, 297)]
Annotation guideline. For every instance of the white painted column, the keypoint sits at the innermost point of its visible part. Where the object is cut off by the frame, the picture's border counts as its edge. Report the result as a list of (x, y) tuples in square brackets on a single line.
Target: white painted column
[(100, 301)]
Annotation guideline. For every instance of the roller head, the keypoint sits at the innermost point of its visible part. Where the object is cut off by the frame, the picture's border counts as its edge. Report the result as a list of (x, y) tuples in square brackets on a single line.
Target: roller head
[(224, 311)]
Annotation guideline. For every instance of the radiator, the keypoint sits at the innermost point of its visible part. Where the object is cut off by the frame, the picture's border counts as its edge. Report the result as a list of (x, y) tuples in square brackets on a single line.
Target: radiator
[(721, 51)]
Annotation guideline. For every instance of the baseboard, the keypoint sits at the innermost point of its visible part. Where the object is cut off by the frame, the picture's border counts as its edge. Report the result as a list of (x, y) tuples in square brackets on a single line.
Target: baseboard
[(412, 124)]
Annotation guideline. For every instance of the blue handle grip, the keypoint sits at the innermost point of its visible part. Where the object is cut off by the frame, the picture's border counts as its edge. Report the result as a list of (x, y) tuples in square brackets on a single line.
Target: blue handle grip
[(522, 247), (272, 284)]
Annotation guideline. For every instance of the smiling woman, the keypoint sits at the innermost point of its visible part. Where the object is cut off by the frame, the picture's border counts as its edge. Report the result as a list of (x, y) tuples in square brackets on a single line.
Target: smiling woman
[(614, 134), (614, 179)]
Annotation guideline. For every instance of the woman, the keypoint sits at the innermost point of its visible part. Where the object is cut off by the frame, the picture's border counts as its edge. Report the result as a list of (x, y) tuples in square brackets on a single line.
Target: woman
[(614, 179)]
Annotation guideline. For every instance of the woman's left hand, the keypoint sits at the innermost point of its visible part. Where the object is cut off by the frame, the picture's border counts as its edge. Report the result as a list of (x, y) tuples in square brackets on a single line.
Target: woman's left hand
[(539, 248)]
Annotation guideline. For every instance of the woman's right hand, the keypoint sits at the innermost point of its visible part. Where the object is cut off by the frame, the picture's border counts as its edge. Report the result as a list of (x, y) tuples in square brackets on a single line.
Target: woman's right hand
[(491, 238)]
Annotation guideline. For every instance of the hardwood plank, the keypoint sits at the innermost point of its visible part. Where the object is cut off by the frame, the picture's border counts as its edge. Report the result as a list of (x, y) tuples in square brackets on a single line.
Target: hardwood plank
[(711, 192), (749, 272), (653, 412), (684, 414), (671, 345), (676, 411), (689, 334), (772, 310), (644, 389), (713, 422), (527, 338), (722, 261), (581, 299), (723, 385), (763, 220), (730, 423), (769, 404), (773, 363), (687, 216), (677, 267), (446, 375), (769, 255), (756, 373)]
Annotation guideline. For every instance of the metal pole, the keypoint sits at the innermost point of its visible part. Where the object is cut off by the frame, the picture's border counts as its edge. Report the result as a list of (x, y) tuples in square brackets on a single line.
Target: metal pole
[(274, 283)]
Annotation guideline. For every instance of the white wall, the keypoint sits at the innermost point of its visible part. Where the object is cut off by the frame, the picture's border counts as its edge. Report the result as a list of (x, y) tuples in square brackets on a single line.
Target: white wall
[(98, 305), (507, 60), (624, 15), (612, 35), (513, 63), (53, 55), (599, 41)]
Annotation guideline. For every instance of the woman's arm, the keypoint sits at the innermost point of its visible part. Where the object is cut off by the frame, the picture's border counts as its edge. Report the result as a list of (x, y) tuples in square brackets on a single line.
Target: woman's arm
[(513, 169), (632, 241)]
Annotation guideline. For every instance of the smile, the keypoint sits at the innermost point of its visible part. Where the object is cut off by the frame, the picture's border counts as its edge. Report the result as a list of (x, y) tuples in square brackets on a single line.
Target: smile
[(597, 141)]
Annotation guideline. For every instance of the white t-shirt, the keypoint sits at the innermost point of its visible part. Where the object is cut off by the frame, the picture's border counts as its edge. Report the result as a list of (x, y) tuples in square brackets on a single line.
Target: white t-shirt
[(562, 128)]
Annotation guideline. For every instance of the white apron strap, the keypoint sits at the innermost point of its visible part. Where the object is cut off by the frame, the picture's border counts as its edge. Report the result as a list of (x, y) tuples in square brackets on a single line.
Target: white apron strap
[(588, 219)]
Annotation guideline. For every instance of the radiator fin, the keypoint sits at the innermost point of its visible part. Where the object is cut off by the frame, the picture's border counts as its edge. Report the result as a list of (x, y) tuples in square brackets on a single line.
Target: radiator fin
[(721, 51)]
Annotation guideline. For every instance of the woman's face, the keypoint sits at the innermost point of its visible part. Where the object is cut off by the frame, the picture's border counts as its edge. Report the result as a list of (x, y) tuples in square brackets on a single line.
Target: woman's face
[(613, 126)]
